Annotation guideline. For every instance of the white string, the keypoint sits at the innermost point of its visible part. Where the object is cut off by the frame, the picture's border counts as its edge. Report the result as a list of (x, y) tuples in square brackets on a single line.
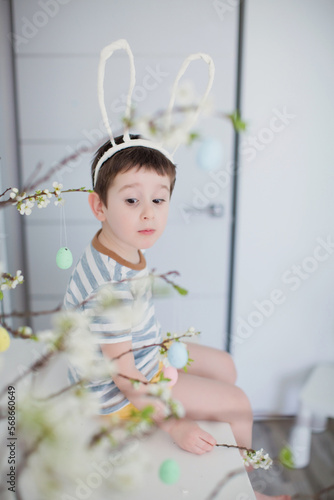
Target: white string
[(61, 230), (63, 237), (193, 57), (64, 221), (105, 54)]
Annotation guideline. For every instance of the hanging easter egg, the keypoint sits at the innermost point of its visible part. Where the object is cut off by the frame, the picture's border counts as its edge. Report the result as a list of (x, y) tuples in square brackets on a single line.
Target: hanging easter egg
[(169, 471), (4, 339), (177, 355), (171, 373), (64, 258), (210, 154)]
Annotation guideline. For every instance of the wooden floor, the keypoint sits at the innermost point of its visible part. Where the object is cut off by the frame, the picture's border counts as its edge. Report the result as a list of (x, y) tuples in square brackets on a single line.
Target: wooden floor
[(272, 435)]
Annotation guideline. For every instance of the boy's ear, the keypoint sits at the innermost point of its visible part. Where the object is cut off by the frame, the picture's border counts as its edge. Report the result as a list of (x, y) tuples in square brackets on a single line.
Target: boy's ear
[(96, 206)]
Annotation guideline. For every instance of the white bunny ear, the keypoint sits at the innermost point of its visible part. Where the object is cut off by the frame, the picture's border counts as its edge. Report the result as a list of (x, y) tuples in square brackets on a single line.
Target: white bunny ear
[(127, 142), (206, 58), (105, 54)]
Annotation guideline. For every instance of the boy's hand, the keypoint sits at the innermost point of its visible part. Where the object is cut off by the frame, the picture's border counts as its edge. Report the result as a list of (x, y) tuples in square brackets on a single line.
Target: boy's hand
[(190, 437)]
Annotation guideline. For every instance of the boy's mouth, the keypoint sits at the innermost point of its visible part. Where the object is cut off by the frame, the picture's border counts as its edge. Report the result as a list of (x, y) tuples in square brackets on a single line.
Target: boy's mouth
[(147, 231)]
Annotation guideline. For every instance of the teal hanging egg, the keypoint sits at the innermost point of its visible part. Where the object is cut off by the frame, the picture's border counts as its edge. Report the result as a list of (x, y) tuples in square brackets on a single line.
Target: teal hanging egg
[(210, 154), (169, 471), (64, 258), (177, 355)]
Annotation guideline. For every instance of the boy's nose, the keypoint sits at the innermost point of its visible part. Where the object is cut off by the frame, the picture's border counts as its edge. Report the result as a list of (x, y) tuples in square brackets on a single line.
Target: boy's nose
[(148, 212)]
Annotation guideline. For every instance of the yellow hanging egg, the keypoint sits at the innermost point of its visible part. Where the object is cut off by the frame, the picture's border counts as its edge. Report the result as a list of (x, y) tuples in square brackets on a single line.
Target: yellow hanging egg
[(4, 339)]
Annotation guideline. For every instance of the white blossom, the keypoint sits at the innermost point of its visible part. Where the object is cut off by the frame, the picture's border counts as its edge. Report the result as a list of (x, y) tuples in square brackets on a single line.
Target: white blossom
[(257, 459), (160, 390), (60, 201), (106, 298), (25, 330), (11, 281), (42, 200), (177, 408), (177, 136), (48, 337), (142, 427), (13, 194), (79, 343), (19, 276), (47, 193), (144, 128), (186, 94), (136, 385), (65, 428), (25, 209), (57, 188)]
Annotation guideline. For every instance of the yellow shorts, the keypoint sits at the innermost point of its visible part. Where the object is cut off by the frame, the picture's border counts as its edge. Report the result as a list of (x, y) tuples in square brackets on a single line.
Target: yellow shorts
[(125, 412)]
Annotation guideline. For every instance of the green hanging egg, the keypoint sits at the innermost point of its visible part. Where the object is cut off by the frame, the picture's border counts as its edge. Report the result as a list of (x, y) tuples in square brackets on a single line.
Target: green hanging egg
[(169, 471), (64, 258)]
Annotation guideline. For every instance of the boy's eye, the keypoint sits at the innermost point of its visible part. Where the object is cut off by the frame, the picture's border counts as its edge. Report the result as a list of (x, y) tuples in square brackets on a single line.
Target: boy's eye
[(158, 201), (131, 201)]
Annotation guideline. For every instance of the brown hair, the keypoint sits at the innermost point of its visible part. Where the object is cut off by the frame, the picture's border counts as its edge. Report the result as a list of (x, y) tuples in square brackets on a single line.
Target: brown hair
[(126, 159)]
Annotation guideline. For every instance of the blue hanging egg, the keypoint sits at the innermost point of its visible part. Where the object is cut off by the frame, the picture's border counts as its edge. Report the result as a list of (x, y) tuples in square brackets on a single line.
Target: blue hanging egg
[(64, 258), (177, 355), (210, 154)]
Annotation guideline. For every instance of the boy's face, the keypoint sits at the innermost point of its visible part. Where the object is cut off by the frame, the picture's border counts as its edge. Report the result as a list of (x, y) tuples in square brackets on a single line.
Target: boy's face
[(137, 211)]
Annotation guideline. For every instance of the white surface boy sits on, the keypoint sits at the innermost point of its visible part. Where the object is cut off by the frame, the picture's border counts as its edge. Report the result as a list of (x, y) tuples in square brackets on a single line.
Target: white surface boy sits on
[(131, 199)]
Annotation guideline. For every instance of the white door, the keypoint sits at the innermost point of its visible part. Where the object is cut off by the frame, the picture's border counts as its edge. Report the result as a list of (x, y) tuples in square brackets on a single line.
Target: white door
[(59, 113)]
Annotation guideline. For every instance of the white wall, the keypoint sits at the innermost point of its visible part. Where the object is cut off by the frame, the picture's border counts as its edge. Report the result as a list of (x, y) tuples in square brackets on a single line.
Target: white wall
[(285, 201)]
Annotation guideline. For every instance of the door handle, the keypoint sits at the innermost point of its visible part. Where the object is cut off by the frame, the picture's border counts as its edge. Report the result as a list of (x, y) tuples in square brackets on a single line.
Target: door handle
[(213, 210)]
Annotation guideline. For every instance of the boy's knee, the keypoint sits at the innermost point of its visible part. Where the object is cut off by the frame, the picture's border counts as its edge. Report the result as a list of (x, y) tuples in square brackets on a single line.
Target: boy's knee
[(244, 404), (230, 367), (234, 373)]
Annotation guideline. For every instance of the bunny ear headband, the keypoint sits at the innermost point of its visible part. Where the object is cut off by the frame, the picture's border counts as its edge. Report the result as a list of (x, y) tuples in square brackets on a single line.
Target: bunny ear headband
[(127, 141)]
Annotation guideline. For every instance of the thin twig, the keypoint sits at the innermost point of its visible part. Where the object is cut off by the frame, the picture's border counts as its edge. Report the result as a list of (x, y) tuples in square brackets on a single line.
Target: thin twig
[(3, 194), (33, 368), (61, 391), (162, 344), (23, 462), (33, 174), (62, 164), (223, 482), (18, 314), (37, 195), (236, 446), (16, 333)]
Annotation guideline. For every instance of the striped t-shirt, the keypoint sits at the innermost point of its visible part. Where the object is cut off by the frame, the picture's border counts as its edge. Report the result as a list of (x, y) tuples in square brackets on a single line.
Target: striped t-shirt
[(134, 319)]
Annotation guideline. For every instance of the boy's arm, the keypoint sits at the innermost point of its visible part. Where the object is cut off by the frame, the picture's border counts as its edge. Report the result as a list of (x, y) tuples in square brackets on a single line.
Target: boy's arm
[(126, 366), (186, 433)]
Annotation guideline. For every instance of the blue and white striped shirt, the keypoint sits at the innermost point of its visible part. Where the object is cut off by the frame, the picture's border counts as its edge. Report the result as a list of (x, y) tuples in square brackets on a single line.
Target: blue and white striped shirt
[(134, 319)]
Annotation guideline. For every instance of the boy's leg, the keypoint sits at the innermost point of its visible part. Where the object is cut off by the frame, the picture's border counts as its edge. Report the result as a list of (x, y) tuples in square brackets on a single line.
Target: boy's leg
[(211, 363), (207, 399)]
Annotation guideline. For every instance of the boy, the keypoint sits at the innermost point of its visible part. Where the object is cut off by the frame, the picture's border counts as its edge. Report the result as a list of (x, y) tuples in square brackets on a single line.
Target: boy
[(132, 191)]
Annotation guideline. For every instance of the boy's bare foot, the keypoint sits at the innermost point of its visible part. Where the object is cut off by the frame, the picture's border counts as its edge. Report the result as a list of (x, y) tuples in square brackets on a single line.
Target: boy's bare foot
[(260, 496)]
